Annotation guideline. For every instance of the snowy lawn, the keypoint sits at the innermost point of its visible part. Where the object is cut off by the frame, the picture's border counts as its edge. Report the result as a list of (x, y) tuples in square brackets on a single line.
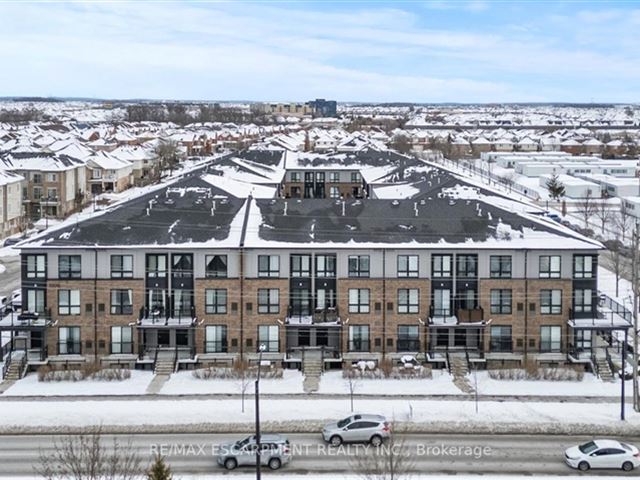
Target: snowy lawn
[(332, 382), (30, 385), (183, 383), (57, 413)]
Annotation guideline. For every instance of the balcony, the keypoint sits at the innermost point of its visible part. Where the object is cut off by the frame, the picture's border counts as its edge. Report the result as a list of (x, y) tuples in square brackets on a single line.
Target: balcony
[(462, 316), (161, 317), (601, 318), (25, 320), (49, 201), (319, 316)]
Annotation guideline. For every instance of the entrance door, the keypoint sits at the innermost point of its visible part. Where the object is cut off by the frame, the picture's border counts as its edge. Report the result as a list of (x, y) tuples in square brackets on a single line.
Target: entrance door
[(164, 338), (304, 337), (322, 337)]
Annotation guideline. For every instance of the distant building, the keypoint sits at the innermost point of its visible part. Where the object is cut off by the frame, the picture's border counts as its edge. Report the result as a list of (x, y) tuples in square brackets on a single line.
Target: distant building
[(11, 215), (316, 108), (324, 108)]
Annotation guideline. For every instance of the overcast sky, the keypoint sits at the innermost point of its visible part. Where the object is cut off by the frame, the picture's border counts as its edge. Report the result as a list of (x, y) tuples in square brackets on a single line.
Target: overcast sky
[(465, 51)]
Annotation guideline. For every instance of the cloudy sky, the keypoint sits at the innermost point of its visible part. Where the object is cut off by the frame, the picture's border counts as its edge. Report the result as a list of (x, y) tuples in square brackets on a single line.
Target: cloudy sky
[(421, 51)]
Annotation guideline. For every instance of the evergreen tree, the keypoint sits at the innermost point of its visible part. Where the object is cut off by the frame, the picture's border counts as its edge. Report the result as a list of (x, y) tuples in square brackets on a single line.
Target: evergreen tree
[(159, 470), (555, 187)]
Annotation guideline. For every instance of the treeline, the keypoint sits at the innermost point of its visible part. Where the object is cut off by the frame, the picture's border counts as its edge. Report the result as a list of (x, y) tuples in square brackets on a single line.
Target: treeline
[(183, 114), (29, 114)]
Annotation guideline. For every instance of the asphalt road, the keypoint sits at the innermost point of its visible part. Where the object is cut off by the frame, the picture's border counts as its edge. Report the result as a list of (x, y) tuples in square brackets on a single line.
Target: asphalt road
[(434, 454)]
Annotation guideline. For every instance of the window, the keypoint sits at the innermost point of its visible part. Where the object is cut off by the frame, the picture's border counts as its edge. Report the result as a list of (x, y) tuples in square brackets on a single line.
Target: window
[(156, 301), (216, 266), (441, 302), (69, 341), (37, 178), (334, 177), (326, 266), (358, 300), (121, 266), (52, 193), (215, 339), (69, 302), (215, 300), (69, 266), (550, 338), (156, 266), (441, 266), (551, 302), (121, 302), (408, 338), (268, 336), (582, 300), (182, 265), (355, 177), (121, 340), (501, 301), (36, 266), (37, 193), (358, 265), (467, 266), (295, 177), (35, 301), (407, 266), (500, 266), (334, 192), (358, 338), (500, 338), (268, 300), (583, 266), (550, 266), (408, 300), (52, 177), (182, 303), (300, 265), (268, 265)]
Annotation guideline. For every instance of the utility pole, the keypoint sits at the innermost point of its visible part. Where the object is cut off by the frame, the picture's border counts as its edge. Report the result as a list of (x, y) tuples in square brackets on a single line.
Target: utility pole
[(635, 285), (261, 349)]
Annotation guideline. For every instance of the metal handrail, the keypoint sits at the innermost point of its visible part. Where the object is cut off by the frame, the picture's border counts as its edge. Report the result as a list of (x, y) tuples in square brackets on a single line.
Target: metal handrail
[(5, 365)]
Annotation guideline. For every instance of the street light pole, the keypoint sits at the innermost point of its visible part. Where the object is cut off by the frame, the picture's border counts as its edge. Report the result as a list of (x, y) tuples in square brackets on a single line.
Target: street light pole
[(261, 349)]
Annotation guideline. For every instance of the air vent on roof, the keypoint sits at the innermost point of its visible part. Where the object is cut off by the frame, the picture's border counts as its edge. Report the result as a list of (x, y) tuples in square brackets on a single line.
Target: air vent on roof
[(169, 201), (395, 203), (199, 201), (452, 202), (423, 202)]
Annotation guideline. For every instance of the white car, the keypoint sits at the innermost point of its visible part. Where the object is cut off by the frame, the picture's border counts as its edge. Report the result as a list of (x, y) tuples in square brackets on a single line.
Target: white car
[(603, 454)]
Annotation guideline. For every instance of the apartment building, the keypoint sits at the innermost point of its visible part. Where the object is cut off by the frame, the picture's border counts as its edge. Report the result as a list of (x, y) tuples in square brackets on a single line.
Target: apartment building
[(55, 183), (11, 213), (211, 275)]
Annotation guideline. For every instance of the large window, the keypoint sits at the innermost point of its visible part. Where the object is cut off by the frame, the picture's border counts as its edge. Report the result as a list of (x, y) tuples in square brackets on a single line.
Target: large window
[(36, 266), (500, 266), (156, 265), (35, 301), (69, 341), (551, 302), (500, 339), (441, 266), (182, 265), (441, 302), (156, 301), (334, 177), (359, 300), (268, 300), (355, 177), (408, 300), (215, 340), (121, 340), (583, 266), (215, 300), (501, 301), (408, 338), (121, 302), (300, 265), (358, 338), (268, 265), (583, 300), (268, 335), (550, 266), (69, 302), (467, 266), (216, 266), (182, 303), (358, 265), (407, 266), (295, 177), (69, 266), (326, 266), (121, 266), (550, 338)]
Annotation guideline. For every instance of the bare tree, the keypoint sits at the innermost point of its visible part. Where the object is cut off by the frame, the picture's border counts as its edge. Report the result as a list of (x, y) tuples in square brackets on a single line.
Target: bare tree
[(392, 460), (622, 221), (245, 379), (352, 383), (586, 208), (169, 156), (401, 142), (603, 213), (615, 261), (87, 457)]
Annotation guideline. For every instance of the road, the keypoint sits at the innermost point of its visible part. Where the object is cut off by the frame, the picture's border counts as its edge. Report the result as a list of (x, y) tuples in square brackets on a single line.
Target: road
[(192, 454)]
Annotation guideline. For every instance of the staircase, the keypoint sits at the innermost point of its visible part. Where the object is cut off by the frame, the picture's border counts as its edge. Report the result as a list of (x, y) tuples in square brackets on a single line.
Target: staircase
[(604, 370), (16, 366), (460, 372), (312, 370), (165, 362)]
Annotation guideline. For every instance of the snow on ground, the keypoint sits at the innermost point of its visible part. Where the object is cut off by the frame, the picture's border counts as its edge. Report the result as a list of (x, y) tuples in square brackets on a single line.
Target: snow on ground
[(607, 285), (183, 383), (337, 476), (183, 412), (29, 385)]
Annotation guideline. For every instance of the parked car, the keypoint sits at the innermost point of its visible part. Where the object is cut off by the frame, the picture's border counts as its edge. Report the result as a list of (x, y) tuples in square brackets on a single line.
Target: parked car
[(603, 454), (11, 241), (555, 217), (12, 303), (373, 429), (275, 452)]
